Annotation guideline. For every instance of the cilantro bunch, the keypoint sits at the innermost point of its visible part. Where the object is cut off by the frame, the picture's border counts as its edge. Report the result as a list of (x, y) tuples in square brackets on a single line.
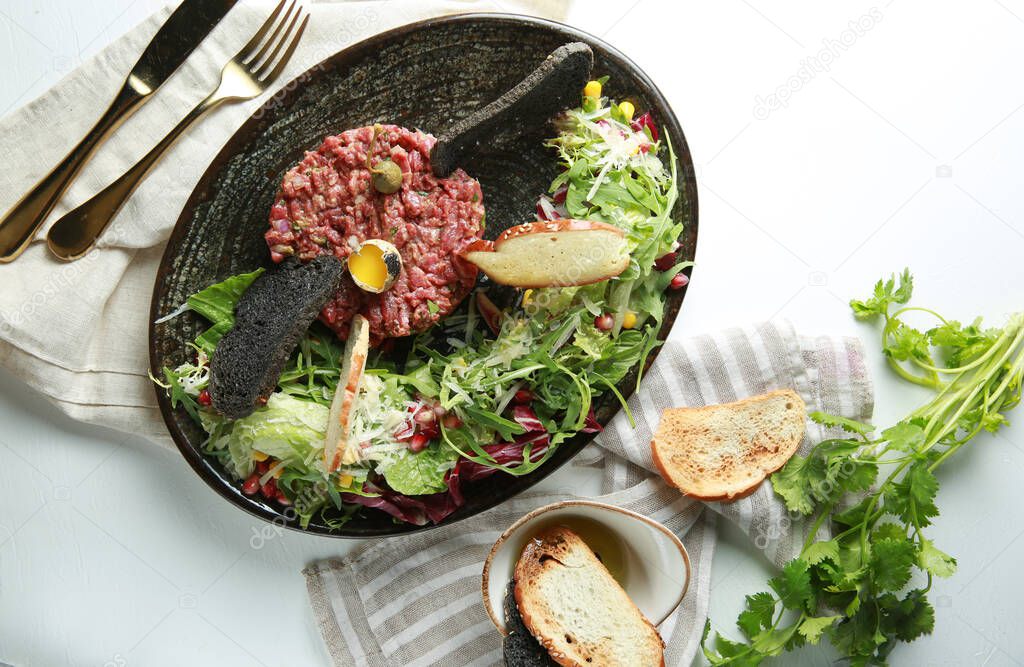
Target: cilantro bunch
[(866, 587)]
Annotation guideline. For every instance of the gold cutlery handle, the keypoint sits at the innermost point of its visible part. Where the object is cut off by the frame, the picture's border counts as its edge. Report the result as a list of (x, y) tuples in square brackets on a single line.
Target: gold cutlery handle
[(19, 226), (76, 233)]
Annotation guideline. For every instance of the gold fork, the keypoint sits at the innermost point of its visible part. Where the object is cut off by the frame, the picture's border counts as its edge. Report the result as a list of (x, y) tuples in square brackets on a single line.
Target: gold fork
[(244, 77)]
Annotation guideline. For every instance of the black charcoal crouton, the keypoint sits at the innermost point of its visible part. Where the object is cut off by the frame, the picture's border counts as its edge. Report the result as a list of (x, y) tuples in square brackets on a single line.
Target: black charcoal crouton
[(520, 647), (270, 319), (555, 85)]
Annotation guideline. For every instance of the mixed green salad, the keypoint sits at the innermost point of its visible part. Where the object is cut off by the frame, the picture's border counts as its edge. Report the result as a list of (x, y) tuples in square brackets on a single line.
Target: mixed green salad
[(479, 394)]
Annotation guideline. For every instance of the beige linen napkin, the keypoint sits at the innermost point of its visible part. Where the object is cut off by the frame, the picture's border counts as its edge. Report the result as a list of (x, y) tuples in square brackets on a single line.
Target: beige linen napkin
[(416, 601), (78, 332)]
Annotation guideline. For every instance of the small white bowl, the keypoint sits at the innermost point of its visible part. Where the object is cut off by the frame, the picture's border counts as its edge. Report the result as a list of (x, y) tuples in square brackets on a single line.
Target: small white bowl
[(649, 562)]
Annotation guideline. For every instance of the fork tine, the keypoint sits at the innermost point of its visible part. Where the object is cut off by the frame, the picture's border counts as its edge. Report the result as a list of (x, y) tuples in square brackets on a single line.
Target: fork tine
[(250, 60), (254, 42), (265, 77)]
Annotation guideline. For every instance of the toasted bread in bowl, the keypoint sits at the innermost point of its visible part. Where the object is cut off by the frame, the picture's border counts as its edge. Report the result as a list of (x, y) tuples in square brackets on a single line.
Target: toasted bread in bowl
[(577, 611), (723, 452)]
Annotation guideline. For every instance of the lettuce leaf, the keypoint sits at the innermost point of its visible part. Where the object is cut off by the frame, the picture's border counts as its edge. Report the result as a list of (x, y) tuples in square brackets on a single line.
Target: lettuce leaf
[(286, 428), (422, 473)]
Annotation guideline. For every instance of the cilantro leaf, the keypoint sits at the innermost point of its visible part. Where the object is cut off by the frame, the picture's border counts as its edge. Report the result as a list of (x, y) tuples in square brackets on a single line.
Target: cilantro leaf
[(812, 627), (891, 560), (888, 531), (820, 551), (934, 561), (758, 614), (908, 343), (858, 635), (913, 497), (728, 652), (795, 482), (904, 436), (793, 585), (886, 293), (909, 618), (835, 421)]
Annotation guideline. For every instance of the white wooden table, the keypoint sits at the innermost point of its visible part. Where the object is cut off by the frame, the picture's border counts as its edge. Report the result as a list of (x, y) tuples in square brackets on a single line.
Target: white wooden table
[(899, 143)]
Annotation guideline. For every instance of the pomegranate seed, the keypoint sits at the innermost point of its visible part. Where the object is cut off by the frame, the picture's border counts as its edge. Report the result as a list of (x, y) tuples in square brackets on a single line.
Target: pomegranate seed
[(430, 431), (665, 262), (604, 322), (425, 417), (439, 411), (262, 467), (523, 396), (204, 398), (251, 485), (283, 499), (452, 420), (269, 490), (418, 442), (679, 281)]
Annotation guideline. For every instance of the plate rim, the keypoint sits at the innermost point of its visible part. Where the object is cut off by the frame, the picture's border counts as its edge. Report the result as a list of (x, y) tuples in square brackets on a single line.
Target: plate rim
[(195, 458)]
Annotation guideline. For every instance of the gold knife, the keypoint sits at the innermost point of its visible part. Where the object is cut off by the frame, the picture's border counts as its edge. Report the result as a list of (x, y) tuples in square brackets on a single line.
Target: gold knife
[(187, 26)]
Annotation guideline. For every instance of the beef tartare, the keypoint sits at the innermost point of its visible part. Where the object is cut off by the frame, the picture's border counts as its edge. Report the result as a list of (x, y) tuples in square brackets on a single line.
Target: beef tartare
[(328, 204)]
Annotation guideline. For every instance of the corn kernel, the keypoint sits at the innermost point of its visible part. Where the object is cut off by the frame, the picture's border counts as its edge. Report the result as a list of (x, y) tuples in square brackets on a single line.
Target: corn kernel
[(345, 481), (592, 89), (527, 297), (259, 456), (626, 109), (629, 320)]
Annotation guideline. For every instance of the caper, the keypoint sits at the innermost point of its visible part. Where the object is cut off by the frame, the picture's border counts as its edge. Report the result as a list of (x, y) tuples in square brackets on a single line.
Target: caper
[(387, 177)]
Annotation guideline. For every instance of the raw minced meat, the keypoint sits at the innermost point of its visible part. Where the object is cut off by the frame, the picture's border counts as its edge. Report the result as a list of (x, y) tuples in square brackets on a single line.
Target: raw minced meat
[(327, 204)]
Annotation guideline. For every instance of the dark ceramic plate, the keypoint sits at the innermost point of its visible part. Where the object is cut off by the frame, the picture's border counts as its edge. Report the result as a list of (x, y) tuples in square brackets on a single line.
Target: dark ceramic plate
[(425, 75)]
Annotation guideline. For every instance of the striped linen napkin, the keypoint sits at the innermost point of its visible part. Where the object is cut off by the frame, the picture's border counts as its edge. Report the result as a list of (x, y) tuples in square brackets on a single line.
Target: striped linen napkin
[(416, 600)]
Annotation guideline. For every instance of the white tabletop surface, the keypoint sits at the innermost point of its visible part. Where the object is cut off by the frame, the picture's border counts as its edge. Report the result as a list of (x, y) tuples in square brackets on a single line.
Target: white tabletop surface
[(901, 143)]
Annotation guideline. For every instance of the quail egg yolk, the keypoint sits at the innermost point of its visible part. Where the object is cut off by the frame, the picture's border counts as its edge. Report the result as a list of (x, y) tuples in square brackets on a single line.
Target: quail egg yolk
[(367, 267)]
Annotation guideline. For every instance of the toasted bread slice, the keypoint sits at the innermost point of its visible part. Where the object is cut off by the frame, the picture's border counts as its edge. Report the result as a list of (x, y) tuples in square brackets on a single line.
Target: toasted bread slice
[(558, 253), (270, 319), (576, 610), (723, 452)]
